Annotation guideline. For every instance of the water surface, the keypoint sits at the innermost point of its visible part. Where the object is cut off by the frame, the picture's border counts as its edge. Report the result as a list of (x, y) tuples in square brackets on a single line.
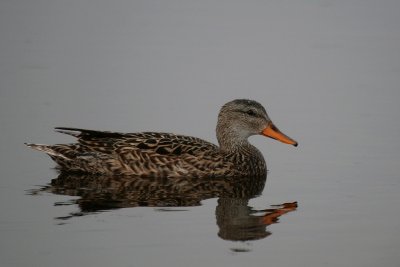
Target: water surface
[(327, 73)]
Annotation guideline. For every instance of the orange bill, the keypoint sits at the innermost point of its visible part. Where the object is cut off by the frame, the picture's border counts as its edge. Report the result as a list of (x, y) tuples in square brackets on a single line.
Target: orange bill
[(273, 132)]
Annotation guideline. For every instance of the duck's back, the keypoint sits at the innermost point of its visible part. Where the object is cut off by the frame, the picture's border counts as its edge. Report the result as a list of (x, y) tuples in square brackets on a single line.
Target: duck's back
[(159, 143), (146, 154)]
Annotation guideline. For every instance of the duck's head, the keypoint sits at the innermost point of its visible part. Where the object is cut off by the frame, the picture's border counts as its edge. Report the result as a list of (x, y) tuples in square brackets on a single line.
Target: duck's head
[(242, 118)]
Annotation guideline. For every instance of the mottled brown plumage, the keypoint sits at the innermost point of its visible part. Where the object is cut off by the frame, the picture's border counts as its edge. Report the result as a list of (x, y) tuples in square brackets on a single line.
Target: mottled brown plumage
[(150, 154)]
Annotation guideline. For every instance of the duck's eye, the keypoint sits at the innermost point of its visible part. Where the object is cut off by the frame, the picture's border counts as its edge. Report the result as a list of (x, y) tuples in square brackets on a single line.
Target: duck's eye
[(251, 113)]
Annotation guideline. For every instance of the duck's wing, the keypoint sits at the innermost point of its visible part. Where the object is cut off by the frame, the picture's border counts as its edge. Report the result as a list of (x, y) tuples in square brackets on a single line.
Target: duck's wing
[(152, 154), (159, 143)]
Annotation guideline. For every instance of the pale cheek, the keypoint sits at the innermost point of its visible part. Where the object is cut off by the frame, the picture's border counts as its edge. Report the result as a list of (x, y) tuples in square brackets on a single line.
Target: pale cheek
[(259, 126), (242, 133)]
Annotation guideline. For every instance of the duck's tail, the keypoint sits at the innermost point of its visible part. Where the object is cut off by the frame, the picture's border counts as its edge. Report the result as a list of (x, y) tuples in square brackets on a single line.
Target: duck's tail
[(72, 158), (48, 149)]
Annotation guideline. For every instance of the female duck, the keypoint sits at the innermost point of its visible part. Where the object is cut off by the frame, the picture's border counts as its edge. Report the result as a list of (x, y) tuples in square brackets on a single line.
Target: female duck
[(158, 155)]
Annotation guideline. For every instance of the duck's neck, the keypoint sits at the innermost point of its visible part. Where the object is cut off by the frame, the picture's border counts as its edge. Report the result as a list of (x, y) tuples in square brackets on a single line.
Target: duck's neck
[(234, 144), (247, 158), (232, 141)]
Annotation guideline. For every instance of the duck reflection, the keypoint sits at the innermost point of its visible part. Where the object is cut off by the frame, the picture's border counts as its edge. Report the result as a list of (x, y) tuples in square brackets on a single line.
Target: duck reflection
[(235, 218), (237, 221)]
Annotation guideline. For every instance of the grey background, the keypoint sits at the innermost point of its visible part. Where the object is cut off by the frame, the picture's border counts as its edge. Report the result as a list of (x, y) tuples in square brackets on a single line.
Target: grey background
[(328, 73)]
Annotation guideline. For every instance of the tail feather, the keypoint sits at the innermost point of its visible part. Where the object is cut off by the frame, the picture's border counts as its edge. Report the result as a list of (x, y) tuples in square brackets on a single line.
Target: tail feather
[(48, 149), (72, 132), (72, 158), (84, 133)]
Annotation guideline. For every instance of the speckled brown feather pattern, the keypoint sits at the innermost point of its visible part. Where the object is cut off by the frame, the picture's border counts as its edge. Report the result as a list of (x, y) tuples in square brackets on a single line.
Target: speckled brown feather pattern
[(150, 154), (145, 154)]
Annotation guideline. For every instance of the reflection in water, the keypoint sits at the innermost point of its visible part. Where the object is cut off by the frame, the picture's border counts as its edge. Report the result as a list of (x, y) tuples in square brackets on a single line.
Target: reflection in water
[(235, 218), (239, 222)]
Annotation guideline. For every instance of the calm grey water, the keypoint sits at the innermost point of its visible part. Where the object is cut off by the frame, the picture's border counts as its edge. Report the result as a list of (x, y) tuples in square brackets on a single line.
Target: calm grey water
[(328, 73)]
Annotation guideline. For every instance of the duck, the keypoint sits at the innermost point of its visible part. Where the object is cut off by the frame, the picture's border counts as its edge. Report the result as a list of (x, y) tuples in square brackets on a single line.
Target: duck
[(169, 155)]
